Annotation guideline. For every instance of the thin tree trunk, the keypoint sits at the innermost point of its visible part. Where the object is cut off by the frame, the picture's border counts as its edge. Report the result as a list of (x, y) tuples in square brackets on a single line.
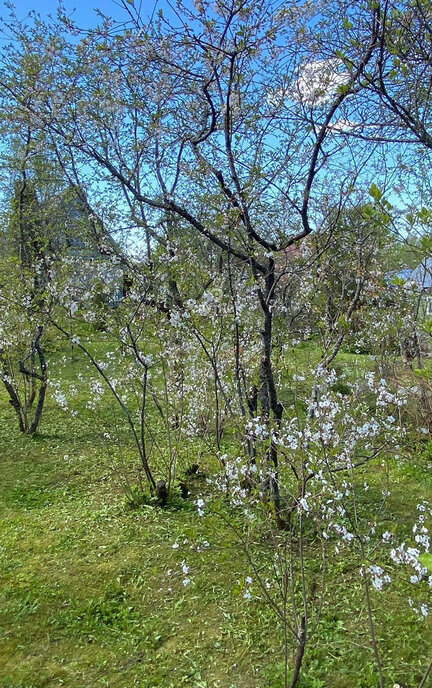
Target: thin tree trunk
[(271, 407), (15, 403), (301, 645), (43, 385)]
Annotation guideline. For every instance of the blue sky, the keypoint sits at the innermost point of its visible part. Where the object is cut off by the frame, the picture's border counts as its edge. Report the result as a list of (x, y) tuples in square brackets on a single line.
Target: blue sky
[(83, 10)]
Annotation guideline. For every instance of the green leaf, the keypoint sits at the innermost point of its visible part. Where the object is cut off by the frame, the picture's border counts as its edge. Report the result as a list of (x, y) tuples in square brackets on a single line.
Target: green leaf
[(426, 244), (368, 210), (424, 214), (375, 193), (343, 89), (426, 561)]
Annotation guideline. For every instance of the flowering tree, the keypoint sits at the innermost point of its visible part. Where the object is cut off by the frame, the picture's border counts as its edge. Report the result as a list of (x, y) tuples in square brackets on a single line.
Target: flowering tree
[(22, 356), (204, 124), (24, 306)]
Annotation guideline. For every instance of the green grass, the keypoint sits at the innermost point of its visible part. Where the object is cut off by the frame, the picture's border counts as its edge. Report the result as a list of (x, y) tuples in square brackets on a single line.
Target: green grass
[(91, 591)]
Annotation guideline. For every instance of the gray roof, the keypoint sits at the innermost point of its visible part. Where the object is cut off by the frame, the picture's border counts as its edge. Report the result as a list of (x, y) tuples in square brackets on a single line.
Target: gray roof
[(403, 274), (422, 274), (77, 229), (418, 278)]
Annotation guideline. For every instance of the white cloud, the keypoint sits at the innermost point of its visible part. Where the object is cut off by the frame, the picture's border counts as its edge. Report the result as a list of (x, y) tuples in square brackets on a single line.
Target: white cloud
[(318, 81), (343, 125)]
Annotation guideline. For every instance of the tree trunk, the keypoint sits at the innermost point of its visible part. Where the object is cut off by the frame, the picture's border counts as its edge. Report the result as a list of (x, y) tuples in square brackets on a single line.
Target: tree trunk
[(301, 645), (271, 408)]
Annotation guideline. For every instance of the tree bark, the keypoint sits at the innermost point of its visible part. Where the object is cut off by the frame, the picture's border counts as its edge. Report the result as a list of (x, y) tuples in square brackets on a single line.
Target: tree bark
[(271, 407)]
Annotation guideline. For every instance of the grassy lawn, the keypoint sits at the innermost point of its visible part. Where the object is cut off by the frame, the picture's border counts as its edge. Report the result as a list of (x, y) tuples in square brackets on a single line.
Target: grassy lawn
[(92, 592)]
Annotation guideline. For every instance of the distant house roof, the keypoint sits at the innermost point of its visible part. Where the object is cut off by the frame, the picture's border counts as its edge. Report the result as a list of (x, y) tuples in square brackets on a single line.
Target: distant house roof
[(76, 232), (403, 274), (422, 274), (419, 277), (76, 229)]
